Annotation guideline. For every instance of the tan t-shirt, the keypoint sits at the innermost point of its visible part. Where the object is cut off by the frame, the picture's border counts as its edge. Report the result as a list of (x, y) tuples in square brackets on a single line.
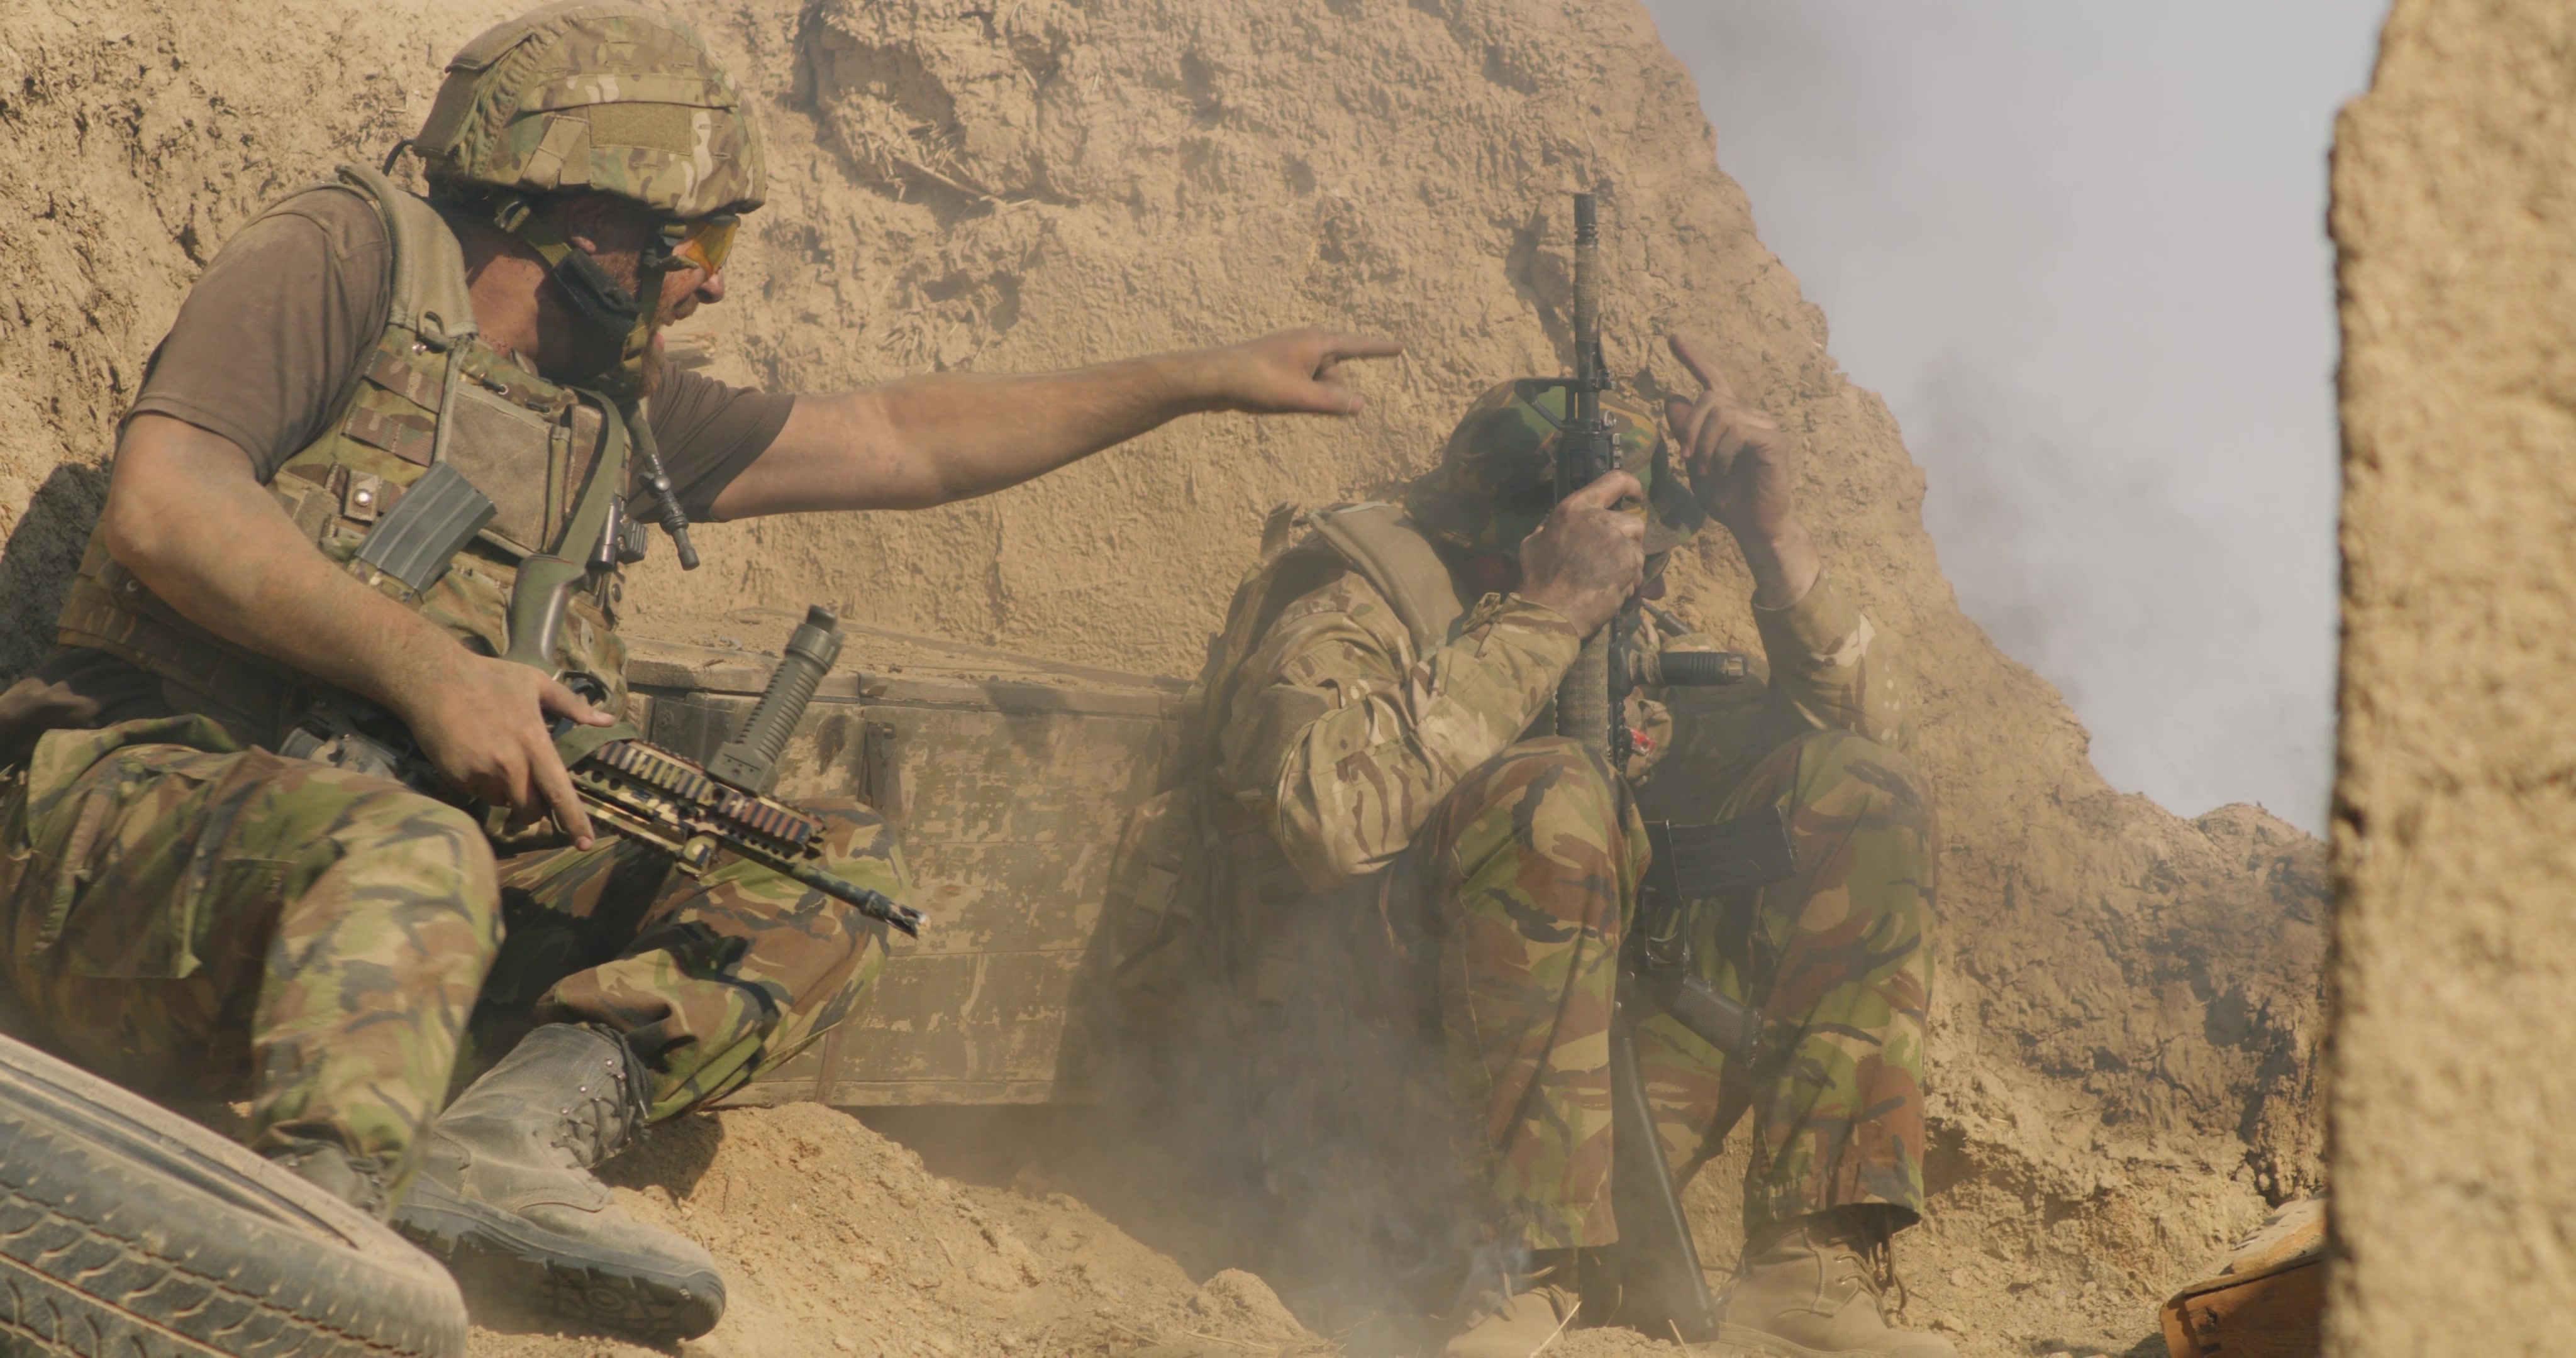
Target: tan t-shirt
[(277, 329), (268, 340)]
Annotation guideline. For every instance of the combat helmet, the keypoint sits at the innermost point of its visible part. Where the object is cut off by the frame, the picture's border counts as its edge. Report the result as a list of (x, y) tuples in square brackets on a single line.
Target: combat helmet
[(601, 96), (604, 95), (1496, 480)]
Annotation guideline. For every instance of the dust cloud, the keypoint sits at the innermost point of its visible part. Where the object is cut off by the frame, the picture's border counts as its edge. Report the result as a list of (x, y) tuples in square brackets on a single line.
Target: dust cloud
[(2081, 250)]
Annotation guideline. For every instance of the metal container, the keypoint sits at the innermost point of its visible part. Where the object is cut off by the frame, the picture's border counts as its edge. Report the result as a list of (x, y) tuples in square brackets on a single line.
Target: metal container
[(1009, 778)]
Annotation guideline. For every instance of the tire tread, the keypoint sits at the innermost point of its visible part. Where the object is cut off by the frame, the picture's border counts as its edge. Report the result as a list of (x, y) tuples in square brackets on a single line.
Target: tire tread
[(107, 1252)]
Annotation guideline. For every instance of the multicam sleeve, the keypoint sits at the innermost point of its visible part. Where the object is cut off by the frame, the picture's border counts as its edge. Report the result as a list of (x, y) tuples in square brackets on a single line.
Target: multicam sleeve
[(1346, 742), (1833, 666)]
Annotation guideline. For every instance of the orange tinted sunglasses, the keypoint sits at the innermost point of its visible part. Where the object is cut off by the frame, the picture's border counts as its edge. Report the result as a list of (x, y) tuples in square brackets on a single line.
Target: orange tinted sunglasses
[(700, 244)]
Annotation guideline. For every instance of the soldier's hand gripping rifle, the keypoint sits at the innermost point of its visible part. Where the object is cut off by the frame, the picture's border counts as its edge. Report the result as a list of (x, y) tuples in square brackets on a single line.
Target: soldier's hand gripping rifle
[(687, 811)]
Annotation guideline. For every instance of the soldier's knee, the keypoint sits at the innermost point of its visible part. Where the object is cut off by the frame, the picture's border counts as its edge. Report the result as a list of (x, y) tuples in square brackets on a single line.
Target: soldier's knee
[(421, 824), (1849, 774), (432, 849), (1551, 791), (1554, 768)]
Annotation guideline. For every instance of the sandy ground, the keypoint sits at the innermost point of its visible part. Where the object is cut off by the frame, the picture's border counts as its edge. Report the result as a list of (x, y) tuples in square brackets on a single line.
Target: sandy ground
[(2129, 1003)]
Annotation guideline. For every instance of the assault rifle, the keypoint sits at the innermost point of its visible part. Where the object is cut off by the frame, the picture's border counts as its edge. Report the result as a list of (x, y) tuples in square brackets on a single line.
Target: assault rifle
[(1654, 1270), (689, 811), (684, 810)]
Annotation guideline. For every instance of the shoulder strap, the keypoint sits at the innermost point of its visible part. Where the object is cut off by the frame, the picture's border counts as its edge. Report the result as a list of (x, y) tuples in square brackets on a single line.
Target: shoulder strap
[(1398, 560), (429, 292)]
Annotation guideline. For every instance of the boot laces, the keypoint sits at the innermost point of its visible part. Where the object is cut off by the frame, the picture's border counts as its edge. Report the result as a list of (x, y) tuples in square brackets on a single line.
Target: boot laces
[(1867, 1235), (1878, 1255), (606, 1110)]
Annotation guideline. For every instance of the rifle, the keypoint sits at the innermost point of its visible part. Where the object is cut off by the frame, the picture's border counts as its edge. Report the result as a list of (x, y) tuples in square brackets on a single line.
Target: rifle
[(689, 811), (686, 811), (1654, 1270)]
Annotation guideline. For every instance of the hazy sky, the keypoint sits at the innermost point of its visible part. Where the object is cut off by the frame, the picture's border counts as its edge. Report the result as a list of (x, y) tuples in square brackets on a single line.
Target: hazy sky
[(2080, 248)]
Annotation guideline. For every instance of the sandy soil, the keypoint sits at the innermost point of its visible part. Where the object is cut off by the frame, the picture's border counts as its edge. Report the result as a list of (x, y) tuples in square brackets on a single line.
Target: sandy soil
[(2129, 1005)]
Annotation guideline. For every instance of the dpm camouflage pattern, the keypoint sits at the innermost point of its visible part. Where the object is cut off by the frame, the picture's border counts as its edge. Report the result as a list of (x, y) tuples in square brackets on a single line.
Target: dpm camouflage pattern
[(1359, 758), (197, 920), (200, 920), (1531, 864), (601, 95), (1344, 760), (713, 979), (1837, 961), (1496, 480), (1527, 938)]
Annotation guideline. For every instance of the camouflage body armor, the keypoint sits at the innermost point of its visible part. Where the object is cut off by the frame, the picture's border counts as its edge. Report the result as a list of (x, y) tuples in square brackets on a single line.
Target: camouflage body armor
[(551, 460)]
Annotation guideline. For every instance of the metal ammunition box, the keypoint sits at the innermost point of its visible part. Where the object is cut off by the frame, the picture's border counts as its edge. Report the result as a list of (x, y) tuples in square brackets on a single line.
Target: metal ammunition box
[(1009, 778)]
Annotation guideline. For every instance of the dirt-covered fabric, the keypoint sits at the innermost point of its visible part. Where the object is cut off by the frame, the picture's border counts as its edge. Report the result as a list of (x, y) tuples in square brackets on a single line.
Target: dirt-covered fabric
[(1523, 881), (189, 917), (1347, 743)]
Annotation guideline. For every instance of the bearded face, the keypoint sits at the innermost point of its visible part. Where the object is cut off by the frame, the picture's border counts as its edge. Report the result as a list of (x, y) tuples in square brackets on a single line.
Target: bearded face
[(620, 234)]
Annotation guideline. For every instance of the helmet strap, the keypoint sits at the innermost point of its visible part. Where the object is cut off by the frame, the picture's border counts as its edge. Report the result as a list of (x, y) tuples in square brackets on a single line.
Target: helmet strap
[(600, 304)]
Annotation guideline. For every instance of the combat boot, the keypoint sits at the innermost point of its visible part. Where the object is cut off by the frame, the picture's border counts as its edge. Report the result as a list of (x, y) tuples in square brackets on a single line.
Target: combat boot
[(506, 1198), (1815, 1291), (1527, 1321)]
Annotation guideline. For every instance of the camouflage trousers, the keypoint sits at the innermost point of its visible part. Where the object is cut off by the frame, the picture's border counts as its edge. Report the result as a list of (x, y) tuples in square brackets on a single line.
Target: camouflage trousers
[(199, 920), (1531, 868)]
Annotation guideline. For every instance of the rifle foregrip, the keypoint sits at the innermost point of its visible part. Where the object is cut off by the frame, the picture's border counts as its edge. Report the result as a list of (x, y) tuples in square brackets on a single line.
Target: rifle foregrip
[(1698, 669), (750, 760)]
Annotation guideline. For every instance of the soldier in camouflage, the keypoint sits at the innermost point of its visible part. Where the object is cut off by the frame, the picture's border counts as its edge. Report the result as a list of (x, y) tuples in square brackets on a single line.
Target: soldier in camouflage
[(191, 908), (1418, 787)]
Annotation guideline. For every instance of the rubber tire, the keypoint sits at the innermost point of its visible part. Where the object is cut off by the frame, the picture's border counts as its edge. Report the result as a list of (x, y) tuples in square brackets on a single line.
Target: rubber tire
[(127, 1231)]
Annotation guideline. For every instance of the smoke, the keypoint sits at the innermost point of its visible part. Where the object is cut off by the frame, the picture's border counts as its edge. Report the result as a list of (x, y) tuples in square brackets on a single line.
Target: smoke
[(2081, 250)]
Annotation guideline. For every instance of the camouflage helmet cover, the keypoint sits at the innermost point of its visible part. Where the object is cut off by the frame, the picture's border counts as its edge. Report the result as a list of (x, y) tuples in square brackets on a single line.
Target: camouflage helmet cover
[(1496, 480), (602, 95)]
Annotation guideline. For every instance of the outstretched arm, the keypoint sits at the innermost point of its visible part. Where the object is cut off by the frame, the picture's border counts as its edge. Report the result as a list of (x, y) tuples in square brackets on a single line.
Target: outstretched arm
[(928, 440)]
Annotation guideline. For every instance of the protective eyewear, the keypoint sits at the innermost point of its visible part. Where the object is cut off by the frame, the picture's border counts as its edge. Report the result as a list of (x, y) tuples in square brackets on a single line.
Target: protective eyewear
[(700, 244)]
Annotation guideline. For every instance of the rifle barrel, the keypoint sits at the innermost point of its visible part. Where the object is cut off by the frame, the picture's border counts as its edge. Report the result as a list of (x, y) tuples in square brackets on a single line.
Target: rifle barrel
[(1587, 306)]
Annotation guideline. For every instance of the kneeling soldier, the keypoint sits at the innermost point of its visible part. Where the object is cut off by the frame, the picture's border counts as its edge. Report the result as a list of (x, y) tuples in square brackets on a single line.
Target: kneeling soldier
[(1380, 710)]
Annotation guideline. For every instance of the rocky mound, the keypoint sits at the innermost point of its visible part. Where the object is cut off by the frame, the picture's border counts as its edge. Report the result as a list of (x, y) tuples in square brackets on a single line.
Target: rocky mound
[(2129, 1003)]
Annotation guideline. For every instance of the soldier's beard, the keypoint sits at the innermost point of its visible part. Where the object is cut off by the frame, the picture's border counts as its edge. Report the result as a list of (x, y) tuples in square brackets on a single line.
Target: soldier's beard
[(646, 381)]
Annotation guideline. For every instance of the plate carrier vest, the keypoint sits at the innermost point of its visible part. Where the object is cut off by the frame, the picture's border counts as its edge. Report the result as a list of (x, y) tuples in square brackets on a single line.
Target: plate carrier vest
[(432, 391)]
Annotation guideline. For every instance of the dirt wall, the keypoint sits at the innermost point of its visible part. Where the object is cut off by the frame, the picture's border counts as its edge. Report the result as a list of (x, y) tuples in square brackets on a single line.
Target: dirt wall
[(2455, 214), (2128, 1000)]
